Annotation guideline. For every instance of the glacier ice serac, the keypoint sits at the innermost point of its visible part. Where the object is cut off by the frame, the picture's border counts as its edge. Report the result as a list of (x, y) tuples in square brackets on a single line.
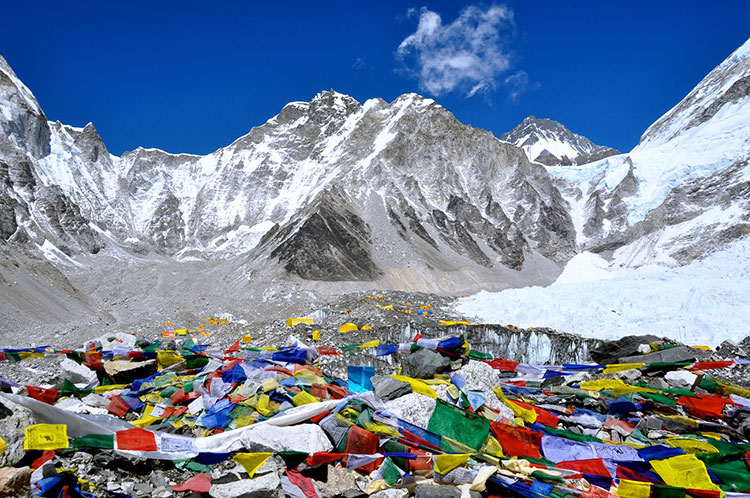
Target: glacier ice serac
[(334, 193)]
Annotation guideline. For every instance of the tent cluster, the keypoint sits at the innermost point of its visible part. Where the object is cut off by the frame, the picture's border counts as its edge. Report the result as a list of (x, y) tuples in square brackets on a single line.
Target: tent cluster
[(662, 427)]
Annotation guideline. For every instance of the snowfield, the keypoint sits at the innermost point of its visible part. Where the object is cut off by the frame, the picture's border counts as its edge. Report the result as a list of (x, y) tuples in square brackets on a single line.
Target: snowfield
[(703, 303)]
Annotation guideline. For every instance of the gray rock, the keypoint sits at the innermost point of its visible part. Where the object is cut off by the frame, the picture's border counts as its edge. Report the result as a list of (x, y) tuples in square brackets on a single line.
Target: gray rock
[(391, 493), (675, 354), (440, 491), (611, 351), (76, 373), (309, 438), (261, 486), (387, 388), (158, 479), (12, 431), (425, 363), (125, 372)]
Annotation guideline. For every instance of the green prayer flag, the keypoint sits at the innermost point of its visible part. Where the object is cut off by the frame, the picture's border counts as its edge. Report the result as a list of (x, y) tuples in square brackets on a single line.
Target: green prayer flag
[(659, 491), (105, 441), (196, 361), (463, 426), (390, 472)]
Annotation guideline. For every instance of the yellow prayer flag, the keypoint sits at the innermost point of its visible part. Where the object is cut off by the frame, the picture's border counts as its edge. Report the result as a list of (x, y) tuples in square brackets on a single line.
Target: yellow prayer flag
[(46, 437), (621, 367), (692, 445), (110, 387), (525, 414), (685, 471), (617, 386), (633, 489), (251, 461), (448, 462), (27, 355), (146, 419), (417, 386), (494, 447), (269, 384), (262, 405), (167, 358), (370, 344), (303, 398)]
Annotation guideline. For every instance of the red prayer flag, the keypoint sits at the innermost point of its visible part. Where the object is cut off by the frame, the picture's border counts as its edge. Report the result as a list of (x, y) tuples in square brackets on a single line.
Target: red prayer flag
[(233, 348), (328, 350), (703, 405), (336, 391), (41, 394), (93, 360), (305, 484), (593, 466), (197, 484), (498, 364), (710, 365), (322, 457), (46, 457), (136, 439), (517, 441), (318, 418), (118, 406)]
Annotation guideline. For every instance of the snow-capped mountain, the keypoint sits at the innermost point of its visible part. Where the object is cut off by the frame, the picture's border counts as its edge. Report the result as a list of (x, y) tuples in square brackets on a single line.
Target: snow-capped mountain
[(683, 191), (400, 194), (396, 192), (550, 143)]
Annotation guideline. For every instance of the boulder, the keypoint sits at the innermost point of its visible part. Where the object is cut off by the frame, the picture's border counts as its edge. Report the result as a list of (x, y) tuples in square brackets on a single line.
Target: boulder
[(308, 438), (340, 481), (13, 480), (387, 388), (126, 371), (424, 363), (610, 351), (441, 491), (261, 486), (12, 431), (671, 355), (76, 373), (391, 493)]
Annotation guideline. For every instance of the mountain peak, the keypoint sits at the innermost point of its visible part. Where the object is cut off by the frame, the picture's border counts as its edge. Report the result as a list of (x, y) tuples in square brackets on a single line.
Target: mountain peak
[(548, 142)]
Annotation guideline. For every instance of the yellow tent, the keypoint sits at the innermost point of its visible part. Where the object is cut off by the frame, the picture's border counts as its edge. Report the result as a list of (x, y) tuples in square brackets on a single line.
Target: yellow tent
[(366, 327), (296, 321), (348, 327)]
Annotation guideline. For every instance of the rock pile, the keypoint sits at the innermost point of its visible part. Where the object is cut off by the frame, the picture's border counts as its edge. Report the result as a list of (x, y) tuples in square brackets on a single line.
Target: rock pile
[(171, 417)]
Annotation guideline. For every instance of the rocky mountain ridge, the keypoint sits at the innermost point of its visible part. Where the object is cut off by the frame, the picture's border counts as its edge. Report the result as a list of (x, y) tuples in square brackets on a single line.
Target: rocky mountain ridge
[(399, 195), (550, 143)]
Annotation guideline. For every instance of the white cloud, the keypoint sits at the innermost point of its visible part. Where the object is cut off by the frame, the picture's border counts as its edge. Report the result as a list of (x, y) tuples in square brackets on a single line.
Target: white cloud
[(466, 55), (517, 84)]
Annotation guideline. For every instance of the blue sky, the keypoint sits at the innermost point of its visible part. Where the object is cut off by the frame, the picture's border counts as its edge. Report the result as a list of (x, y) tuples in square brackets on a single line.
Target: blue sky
[(194, 76)]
